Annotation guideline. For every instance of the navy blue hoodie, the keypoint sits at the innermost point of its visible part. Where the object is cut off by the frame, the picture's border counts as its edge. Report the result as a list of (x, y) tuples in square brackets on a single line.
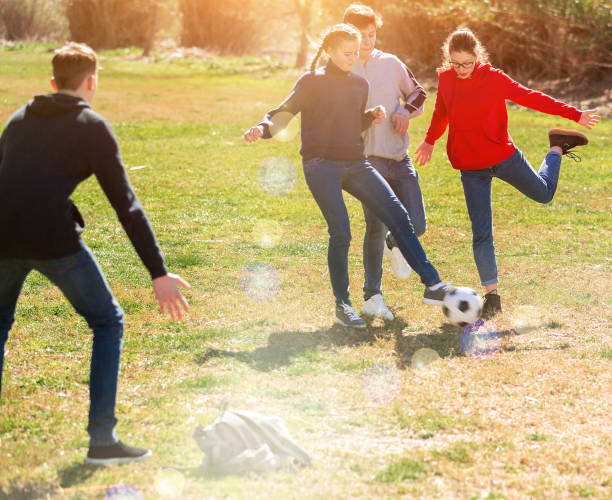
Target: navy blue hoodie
[(47, 149)]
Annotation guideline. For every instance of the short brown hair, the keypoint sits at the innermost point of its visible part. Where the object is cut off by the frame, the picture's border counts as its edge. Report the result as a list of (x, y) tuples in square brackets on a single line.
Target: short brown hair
[(72, 63), (361, 16)]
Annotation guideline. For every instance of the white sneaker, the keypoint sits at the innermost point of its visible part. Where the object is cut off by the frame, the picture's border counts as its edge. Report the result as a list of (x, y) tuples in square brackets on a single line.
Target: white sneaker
[(375, 306), (399, 267)]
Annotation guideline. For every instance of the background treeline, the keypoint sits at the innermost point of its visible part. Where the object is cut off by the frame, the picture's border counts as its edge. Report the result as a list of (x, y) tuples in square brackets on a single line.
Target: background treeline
[(530, 39)]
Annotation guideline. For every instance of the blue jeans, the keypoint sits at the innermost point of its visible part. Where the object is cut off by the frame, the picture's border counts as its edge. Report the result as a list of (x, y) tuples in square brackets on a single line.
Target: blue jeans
[(404, 180), (326, 180), (516, 171), (81, 280)]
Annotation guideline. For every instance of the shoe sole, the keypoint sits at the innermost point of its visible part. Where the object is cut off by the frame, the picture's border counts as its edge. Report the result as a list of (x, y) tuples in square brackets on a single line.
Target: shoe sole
[(374, 315), (432, 302), (574, 133), (101, 462), (342, 323)]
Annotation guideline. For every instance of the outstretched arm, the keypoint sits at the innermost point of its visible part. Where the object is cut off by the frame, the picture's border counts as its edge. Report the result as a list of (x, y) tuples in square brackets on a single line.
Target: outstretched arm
[(536, 100), (277, 119), (107, 166)]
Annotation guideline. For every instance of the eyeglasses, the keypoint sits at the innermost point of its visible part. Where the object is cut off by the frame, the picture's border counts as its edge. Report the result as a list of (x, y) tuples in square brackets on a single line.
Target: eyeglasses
[(467, 65)]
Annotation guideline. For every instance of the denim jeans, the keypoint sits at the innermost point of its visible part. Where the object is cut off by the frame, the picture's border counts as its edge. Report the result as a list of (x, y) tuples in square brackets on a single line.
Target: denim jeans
[(326, 180), (516, 171), (404, 180), (81, 281)]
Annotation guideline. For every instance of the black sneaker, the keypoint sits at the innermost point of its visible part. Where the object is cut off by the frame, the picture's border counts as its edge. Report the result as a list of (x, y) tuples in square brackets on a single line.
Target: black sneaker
[(116, 454), (492, 305), (346, 316), (566, 140), (436, 297)]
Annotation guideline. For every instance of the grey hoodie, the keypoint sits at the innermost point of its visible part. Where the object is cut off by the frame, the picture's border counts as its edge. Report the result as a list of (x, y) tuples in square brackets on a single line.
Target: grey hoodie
[(392, 85)]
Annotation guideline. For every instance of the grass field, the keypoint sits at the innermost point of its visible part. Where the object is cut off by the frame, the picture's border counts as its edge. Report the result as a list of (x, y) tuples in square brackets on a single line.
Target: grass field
[(533, 421)]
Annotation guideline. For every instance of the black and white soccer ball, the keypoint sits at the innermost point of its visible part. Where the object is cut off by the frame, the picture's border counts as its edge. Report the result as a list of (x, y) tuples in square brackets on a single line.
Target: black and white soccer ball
[(462, 306)]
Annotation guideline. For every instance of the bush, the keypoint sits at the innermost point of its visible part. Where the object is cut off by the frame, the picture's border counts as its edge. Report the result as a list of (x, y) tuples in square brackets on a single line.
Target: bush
[(530, 39), (107, 24), (31, 19), (232, 26)]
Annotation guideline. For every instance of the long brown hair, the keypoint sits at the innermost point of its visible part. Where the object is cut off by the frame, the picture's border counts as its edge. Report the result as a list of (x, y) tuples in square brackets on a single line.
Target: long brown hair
[(462, 40), (334, 35)]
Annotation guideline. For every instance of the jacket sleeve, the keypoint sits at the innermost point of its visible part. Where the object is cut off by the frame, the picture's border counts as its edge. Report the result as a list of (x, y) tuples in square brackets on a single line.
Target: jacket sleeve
[(367, 116), (439, 119), (277, 119), (413, 94), (534, 99), (107, 166)]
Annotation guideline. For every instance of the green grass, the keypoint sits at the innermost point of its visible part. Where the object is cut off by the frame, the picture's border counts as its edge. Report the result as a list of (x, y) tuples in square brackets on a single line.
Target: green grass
[(533, 421)]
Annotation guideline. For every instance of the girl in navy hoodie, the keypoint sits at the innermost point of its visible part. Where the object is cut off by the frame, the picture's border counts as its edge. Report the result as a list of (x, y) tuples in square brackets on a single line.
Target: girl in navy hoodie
[(332, 103)]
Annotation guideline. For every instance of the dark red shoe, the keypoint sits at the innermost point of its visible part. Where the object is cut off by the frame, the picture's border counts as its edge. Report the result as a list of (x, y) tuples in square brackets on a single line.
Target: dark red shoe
[(492, 305), (566, 140)]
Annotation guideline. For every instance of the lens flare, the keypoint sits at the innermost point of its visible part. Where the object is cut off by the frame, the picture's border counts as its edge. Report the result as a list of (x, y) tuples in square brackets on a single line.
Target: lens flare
[(260, 282), (123, 492), (169, 483), (381, 383), (277, 175), (284, 127), (480, 340), (422, 358), (527, 318), (267, 233)]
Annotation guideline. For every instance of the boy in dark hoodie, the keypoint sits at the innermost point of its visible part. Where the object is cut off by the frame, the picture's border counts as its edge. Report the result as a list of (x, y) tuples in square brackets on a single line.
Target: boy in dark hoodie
[(47, 149)]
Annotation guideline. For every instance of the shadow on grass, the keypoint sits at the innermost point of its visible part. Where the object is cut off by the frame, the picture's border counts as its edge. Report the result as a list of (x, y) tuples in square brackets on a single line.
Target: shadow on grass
[(29, 491), (75, 473), (283, 346)]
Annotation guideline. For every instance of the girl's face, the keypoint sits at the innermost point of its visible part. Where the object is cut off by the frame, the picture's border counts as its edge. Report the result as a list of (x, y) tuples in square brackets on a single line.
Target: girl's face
[(463, 63), (345, 54)]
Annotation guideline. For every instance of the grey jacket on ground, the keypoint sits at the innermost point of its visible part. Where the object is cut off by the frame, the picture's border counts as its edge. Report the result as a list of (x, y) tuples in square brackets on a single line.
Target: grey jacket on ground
[(393, 85)]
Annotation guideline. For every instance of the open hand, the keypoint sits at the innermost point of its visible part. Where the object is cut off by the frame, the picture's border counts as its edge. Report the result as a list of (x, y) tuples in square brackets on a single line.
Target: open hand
[(423, 153), (589, 119), (168, 295), (253, 134), (400, 123), (379, 113)]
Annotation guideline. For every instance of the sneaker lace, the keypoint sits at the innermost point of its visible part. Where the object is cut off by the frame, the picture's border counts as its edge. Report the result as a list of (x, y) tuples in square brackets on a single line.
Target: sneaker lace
[(573, 156), (349, 312)]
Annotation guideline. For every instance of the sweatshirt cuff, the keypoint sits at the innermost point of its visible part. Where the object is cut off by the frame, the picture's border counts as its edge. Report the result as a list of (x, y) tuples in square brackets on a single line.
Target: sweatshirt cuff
[(266, 130), (157, 271)]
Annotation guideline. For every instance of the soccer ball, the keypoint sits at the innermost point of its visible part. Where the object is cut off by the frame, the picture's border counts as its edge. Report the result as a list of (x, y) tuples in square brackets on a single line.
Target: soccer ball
[(462, 306)]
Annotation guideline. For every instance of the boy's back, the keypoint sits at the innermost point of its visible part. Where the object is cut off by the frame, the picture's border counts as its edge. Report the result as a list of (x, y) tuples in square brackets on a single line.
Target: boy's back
[(47, 148)]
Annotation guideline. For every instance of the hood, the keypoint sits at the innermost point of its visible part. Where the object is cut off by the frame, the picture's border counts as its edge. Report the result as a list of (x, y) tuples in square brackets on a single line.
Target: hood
[(56, 104)]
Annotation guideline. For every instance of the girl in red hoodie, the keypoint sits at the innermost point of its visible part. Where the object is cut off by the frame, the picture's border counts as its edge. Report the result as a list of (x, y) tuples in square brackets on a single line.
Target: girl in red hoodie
[(471, 100)]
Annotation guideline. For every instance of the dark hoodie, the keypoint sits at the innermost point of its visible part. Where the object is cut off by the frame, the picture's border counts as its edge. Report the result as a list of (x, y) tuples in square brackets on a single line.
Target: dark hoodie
[(47, 149)]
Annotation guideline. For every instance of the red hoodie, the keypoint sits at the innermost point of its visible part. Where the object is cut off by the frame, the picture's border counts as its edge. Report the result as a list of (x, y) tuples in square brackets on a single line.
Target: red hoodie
[(475, 111)]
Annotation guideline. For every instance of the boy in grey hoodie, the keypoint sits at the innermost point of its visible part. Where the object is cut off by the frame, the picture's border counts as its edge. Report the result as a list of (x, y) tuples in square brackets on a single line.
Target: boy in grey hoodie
[(392, 85)]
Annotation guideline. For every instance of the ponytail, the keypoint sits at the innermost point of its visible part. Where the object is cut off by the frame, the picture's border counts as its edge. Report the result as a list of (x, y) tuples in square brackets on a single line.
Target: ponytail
[(334, 35), (313, 65)]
